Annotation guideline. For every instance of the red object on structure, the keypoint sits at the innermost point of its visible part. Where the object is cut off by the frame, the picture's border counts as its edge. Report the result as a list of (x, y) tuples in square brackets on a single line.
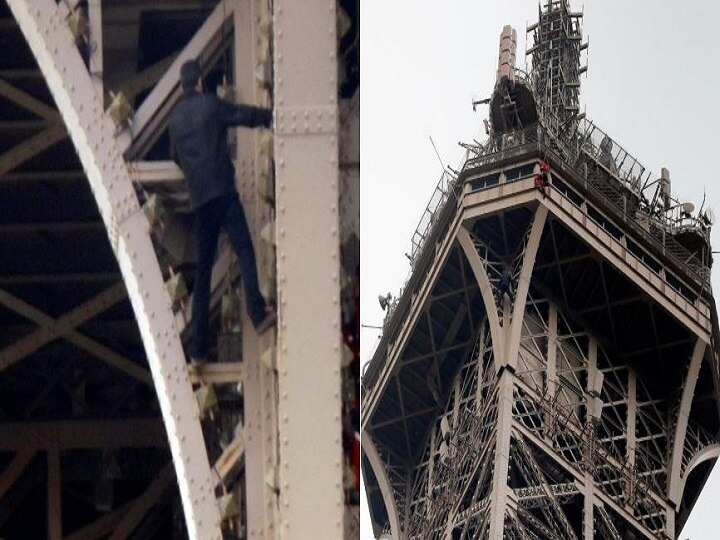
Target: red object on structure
[(356, 459), (541, 180)]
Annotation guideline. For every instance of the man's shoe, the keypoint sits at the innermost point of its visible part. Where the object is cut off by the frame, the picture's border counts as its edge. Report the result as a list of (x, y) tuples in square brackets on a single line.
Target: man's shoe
[(268, 321), (198, 362)]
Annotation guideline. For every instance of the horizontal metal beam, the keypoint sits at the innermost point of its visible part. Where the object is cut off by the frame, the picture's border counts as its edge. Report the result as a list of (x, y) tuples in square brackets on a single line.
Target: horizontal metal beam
[(42, 176), (21, 125), (58, 327), (101, 351), (28, 102), (19, 74), (78, 434), (692, 315), (57, 279), (101, 527), (51, 226), (146, 78), (160, 5), (217, 373), (155, 172), (32, 146)]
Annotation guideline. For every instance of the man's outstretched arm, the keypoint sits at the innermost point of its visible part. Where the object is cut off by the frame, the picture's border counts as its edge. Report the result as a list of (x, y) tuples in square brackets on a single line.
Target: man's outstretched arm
[(243, 115)]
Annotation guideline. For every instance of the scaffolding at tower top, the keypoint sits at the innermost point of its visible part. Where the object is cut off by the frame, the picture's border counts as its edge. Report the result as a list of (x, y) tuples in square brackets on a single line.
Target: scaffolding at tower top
[(556, 58)]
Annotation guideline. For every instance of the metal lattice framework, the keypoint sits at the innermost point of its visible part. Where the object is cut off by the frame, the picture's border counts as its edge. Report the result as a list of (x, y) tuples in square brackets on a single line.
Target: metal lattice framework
[(555, 56), (240, 459), (549, 369)]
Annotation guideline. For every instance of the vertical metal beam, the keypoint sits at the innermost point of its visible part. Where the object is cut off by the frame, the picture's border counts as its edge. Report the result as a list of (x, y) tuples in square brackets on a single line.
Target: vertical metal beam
[(431, 461), (260, 393), (306, 155), (46, 31), (368, 448), (551, 366), (669, 521), (630, 436), (688, 392), (594, 406), (96, 46), (486, 291), (54, 486), (528, 264), (588, 508), (500, 490)]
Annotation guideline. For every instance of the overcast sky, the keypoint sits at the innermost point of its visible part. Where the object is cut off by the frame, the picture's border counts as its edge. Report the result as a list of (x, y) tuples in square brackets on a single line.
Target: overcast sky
[(652, 84)]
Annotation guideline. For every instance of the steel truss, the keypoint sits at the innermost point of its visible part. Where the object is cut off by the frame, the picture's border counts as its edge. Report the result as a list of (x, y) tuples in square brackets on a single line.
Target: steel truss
[(587, 443), (273, 494)]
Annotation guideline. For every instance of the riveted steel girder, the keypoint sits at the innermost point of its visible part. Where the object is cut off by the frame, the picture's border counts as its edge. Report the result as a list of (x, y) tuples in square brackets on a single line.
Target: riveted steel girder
[(45, 28)]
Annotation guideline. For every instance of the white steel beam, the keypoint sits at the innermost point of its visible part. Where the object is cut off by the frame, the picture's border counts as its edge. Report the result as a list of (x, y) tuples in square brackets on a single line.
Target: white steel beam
[(368, 448), (707, 453), (588, 507), (306, 154), (46, 31), (153, 172), (217, 373), (260, 388), (147, 77), (528, 264), (486, 291), (500, 490), (229, 458), (678, 445), (96, 45), (694, 316)]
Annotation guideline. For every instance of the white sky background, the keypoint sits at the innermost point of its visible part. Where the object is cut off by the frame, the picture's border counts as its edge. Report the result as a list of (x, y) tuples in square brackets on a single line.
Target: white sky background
[(652, 84)]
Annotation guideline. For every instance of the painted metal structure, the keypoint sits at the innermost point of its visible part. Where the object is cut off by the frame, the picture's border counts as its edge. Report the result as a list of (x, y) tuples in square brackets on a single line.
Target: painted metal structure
[(283, 431), (550, 368)]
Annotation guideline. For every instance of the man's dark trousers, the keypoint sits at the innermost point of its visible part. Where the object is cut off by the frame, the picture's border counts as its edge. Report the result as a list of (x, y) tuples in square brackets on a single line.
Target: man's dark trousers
[(222, 212)]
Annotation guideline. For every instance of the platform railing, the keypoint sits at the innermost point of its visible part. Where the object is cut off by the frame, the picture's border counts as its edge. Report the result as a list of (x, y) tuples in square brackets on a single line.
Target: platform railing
[(656, 230)]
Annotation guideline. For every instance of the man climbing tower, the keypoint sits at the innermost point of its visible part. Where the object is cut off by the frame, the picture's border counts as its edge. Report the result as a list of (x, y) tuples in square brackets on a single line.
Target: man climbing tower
[(198, 143)]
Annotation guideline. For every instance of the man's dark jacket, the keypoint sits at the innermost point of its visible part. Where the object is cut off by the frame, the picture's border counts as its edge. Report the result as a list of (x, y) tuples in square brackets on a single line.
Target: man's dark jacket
[(198, 142)]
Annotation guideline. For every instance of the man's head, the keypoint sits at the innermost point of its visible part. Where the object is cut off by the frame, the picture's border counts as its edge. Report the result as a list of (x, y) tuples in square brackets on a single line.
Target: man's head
[(191, 76)]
